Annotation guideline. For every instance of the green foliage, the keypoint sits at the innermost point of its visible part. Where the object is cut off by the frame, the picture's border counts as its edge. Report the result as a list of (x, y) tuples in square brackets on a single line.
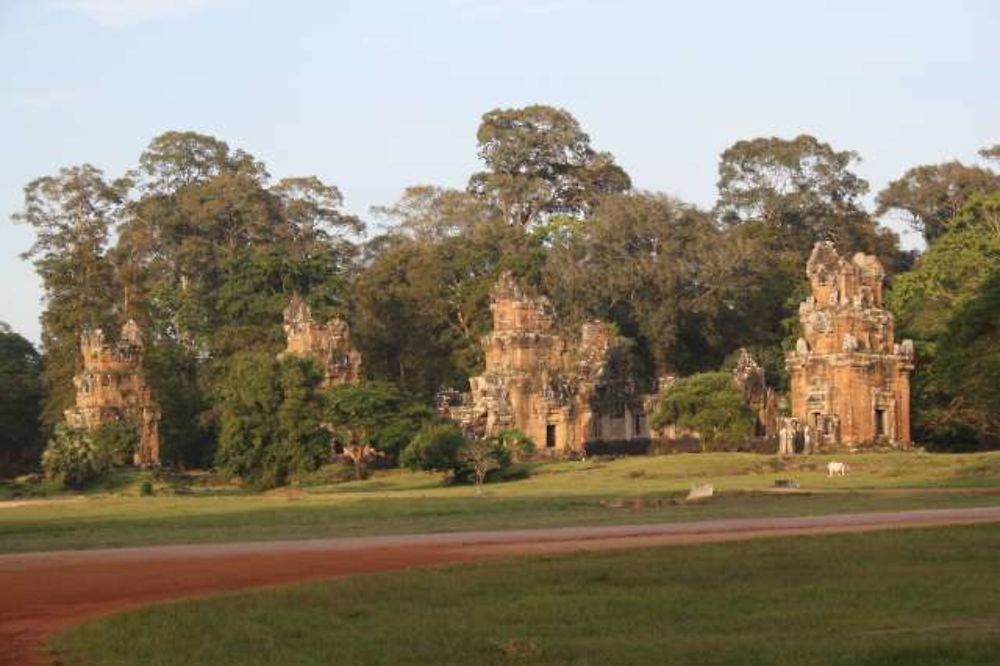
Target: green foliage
[(710, 404), (803, 189), (421, 308), (72, 214), (967, 368), (435, 448), (539, 162), (20, 403), (932, 195), (75, 456), (187, 439), (943, 304), (517, 443), (374, 413), (115, 443), (482, 456), (70, 457), (270, 420)]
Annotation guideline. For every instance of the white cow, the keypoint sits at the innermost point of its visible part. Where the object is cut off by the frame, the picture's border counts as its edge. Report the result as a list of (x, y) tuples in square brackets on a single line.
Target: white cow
[(833, 468)]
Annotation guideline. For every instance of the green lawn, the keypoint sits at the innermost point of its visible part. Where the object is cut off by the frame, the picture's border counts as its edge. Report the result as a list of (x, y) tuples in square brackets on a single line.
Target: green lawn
[(927, 596), (562, 493)]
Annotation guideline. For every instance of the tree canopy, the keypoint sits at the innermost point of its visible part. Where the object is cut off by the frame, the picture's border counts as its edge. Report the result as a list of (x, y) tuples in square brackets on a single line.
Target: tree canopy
[(203, 248)]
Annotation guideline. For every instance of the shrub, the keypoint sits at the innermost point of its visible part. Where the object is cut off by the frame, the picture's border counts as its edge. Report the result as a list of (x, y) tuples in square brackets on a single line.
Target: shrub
[(517, 443), (75, 456), (70, 458), (435, 448), (482, 456), (709, 403)]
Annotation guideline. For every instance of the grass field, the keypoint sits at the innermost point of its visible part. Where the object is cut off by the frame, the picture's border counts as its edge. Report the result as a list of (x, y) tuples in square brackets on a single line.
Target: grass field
[(626, 490), (928, 596)]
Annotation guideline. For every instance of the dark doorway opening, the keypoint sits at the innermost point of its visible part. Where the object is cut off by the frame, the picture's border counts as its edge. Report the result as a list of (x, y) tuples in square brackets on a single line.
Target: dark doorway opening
[(550, 436), (879, 423)]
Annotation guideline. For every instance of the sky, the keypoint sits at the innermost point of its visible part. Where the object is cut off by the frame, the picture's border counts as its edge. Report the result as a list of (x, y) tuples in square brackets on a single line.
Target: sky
[(375, 96)]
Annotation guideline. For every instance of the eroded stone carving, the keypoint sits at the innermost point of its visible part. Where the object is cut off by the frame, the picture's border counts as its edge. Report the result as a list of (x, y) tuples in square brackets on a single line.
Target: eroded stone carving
[(761, 398), (111, 386), (328, 344), (852, 388)]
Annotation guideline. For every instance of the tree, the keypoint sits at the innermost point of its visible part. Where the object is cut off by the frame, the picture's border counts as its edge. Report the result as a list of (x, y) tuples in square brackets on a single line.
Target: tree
[(943, 304), (270, 420), (175, 159), (950, 272), (430, 214), (687, 292), (539, 162), (72, 214), (372, 419), (968, 368), (992, 153), (710, 404), (931, 195), (20, 403), (435, 448), (804, 190), (482, 456), (421, 308)]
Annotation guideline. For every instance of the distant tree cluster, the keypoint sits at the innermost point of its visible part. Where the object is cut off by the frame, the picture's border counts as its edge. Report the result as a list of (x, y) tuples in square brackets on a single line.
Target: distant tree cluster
[(203, 249)]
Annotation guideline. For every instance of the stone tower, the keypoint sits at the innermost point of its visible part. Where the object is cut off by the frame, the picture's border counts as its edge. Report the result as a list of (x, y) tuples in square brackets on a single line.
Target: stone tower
[(850, 380), (562, 392), (112, 387), (328, 344)]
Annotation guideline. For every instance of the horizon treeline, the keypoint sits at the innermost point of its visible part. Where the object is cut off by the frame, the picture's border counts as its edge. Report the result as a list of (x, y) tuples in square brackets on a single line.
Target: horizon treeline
[(203, 248)]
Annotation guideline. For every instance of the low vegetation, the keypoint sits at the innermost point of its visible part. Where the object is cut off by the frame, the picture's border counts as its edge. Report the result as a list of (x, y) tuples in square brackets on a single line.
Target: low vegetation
[(199, 507), (927, 596)]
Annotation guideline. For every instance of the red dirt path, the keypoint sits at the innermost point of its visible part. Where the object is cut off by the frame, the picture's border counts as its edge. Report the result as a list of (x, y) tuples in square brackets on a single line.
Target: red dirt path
[(44, 593)]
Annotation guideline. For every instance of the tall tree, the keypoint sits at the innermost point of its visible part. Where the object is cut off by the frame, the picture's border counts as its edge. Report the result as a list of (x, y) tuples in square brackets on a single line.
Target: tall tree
[(539, 162), (804, 190), (931, 195), (73, 214), (947, 304)]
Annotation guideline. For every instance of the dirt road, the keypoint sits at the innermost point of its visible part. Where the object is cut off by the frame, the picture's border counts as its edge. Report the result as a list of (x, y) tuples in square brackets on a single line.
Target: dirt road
[(43, 593)]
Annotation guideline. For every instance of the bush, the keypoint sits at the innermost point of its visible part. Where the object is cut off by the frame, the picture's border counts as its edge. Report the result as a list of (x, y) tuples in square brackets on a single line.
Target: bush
[(75, 456), (435, 448), (70, 456), (709, 403), (518, 444), (115, 443)]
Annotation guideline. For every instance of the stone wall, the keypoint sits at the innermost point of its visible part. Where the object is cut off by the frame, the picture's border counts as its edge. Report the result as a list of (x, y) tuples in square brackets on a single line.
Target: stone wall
[(562, 391), (850, 380), (111, 386), (328, 344)]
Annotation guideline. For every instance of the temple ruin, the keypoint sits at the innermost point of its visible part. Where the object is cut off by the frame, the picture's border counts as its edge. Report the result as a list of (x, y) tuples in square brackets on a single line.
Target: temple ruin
[(562, 392), (850, 380), (761, 398), (328, 344), (112, 386)]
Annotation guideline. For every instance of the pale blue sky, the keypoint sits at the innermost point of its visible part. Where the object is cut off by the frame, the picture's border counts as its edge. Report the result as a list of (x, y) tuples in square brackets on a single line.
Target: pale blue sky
[(374, 96)]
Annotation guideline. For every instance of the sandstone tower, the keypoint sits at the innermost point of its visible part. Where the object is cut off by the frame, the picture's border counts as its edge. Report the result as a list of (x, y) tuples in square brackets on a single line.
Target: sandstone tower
[(112, 386), (561, 392), (328, 344), (850, 380)]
